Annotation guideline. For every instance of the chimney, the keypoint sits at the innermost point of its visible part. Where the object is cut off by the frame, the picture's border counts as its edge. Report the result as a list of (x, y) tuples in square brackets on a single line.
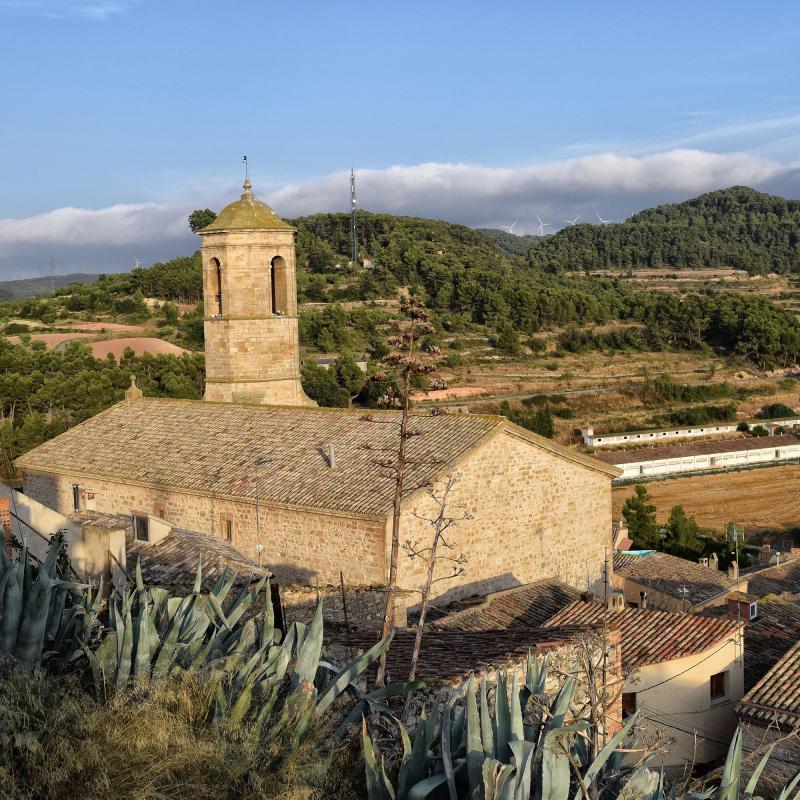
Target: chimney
[(704, 561), (5, 522), (713, 561), (331, 456), (616, 601), (586, 597), (733, 571), (133, 392), (643, 599)]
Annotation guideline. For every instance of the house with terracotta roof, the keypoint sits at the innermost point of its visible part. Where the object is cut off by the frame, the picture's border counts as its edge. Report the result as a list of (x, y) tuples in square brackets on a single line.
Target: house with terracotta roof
[(300, 489), (782, 579), (770, 715), (685, 672), (651, 579)]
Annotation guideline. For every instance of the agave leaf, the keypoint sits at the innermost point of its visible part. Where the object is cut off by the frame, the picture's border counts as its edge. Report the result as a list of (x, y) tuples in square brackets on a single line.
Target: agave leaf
[(125, 650), (496, 777), (413, 769), (487, 730), (517, 732), (787, 790), (523, 760), (141, 645), (33, 624), (555, 768), (474, 743), (378, 786), (55, 613), (729, 786), (351, 671), (11, 612), (198, 578), (397, 689), (751, 784), (502, 718), (603, 756), (309, 651)]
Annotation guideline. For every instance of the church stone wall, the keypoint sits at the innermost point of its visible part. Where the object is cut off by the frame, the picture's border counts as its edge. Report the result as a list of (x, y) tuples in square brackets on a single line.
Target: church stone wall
[(299, 546), (534, 513)]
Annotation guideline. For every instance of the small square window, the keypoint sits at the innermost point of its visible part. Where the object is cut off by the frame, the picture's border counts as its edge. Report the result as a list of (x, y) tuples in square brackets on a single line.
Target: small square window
[(718, 686), (628, 704), (141, 529)]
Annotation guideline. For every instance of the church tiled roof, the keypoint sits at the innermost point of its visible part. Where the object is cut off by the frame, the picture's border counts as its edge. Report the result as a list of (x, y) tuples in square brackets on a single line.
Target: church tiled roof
[(215, 448)]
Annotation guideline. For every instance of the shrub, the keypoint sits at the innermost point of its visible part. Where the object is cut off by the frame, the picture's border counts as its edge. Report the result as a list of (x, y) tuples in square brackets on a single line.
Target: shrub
[(775, 411)]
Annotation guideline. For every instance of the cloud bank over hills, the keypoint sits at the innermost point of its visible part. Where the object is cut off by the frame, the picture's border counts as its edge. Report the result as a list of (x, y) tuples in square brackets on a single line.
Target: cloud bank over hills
[(613, 185)]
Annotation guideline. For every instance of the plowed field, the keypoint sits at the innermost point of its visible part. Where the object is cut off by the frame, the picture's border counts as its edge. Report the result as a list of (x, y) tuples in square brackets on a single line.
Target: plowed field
[(758, 499)]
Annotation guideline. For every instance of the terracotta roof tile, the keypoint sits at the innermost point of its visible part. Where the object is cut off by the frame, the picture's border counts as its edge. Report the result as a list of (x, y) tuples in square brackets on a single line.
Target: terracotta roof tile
[(775, 580), (776, 697), (768, 637), (527, 606), (449, 655), (649, 636), (669, 574)]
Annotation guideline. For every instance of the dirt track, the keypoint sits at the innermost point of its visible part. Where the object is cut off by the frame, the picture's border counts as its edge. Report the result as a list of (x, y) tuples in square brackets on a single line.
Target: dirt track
[(759, 499)]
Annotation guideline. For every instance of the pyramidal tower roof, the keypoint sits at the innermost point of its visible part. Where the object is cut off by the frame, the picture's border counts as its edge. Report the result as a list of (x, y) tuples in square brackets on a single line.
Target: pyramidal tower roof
[(246, 213)]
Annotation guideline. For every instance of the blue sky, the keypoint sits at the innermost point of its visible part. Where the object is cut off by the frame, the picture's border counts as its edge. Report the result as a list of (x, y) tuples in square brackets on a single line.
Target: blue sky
[(120, 115)]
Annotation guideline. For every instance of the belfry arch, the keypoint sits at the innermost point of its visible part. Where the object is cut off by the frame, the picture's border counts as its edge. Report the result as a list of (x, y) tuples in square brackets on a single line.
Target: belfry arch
[(279, 301), (215, 288)]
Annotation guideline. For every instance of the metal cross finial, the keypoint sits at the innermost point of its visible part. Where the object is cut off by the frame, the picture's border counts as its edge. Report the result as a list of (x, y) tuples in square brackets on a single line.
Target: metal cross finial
[(246, 171)]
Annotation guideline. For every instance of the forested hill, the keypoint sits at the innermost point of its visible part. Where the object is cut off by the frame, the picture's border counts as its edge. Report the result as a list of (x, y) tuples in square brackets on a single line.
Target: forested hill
[(733, 228)]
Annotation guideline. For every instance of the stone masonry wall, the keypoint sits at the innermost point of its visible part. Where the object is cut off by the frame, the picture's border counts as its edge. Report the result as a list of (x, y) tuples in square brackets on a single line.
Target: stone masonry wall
[(299, 547), (535, 515)]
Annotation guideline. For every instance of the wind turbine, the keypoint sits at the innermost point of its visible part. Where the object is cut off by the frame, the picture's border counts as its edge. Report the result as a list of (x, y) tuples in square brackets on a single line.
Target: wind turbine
[(542, 225), (603, 221), (510, 228), (572, 221)]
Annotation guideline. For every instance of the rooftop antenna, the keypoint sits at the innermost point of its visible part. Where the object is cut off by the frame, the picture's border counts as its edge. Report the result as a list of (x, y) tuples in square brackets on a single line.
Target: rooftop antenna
[(136, 262), (684, 595), (603, 221), (542, 226), (509, 228), (353, 226), (52, 274), (572, 221)]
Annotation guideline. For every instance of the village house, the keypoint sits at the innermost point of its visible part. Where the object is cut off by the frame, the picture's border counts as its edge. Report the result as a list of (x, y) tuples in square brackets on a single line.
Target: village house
[(651, 579), (684, 672), (296, 488)]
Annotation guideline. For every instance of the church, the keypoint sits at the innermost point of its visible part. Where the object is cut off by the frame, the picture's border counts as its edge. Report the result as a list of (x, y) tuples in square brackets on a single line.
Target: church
[(296, 487)]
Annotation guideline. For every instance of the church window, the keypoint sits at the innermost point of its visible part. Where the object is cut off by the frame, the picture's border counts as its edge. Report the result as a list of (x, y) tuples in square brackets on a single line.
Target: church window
[(226, 527), (278, 288), (76, 497), (141, 529), (215, 286)]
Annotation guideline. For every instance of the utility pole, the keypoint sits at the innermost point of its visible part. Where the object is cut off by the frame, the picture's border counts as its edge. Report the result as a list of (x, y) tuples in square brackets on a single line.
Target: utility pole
[(353, 225)]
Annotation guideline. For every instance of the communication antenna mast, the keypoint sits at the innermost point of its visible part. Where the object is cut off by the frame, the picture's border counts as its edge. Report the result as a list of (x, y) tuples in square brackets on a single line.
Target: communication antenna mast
[(353, 225)]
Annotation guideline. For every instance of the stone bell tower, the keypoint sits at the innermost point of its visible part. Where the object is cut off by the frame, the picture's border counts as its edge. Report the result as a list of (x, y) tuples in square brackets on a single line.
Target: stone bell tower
[(250, 295)]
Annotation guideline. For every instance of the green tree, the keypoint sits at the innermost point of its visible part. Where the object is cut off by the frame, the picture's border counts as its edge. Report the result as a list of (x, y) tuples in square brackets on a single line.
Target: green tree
[(349, 376), (170, 313), (682, 535), (201, 217), (640, 517)]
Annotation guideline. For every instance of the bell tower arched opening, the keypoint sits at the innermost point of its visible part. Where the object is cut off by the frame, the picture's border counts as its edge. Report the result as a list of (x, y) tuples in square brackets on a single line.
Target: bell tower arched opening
[(215, 287), (278, 286)]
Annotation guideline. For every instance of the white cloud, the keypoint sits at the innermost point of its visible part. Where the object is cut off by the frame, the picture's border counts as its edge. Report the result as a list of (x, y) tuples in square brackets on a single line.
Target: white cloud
[(610, 184), (88, 9), (607, 183)]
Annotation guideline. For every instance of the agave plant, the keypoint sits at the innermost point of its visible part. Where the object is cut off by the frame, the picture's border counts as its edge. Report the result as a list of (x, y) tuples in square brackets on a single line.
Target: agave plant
[(500, 757), (33, 606)]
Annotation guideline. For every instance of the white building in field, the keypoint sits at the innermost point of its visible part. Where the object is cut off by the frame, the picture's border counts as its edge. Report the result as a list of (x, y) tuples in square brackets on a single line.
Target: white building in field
[(622, 438), (648, 462)]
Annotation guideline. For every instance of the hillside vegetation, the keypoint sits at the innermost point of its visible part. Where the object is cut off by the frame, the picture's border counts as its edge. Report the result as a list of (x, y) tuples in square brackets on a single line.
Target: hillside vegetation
[(732, 228)]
